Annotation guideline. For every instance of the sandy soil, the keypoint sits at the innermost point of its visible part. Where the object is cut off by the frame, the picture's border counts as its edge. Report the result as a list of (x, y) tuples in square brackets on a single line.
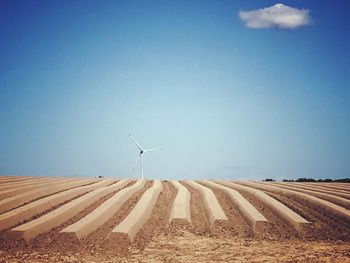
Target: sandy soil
[(324, 226), (184, 246), (327, 240)]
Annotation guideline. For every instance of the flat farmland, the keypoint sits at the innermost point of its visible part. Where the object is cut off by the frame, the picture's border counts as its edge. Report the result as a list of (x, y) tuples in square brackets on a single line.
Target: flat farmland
[(51, 219)]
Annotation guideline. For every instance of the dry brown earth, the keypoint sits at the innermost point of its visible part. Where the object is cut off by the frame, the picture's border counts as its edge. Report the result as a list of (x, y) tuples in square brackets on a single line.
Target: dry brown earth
[(326, 239)]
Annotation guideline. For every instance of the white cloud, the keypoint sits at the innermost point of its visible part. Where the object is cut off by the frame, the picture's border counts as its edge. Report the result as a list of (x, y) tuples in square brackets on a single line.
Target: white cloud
[(279, 15)]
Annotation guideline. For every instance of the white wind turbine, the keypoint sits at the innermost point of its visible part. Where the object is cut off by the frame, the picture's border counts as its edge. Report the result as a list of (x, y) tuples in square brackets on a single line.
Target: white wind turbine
[(142, 151)]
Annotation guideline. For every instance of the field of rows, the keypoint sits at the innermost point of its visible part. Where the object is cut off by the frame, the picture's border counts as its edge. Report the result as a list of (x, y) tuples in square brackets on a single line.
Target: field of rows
[(111, 215)]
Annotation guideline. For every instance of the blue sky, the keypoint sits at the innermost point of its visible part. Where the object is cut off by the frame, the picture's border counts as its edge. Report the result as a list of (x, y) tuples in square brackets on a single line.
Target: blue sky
[(225, 100)]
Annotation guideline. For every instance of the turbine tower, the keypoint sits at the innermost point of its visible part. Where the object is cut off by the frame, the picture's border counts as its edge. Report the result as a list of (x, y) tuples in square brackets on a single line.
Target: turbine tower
[(142, 151)]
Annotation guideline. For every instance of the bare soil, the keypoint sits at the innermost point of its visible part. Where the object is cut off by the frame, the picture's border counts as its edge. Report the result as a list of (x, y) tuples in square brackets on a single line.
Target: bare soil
[(184, 246), (327, 239), (324, 225)]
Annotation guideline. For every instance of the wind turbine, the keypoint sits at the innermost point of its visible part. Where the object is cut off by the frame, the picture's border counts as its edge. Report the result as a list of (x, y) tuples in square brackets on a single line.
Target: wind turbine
[(142, 151)]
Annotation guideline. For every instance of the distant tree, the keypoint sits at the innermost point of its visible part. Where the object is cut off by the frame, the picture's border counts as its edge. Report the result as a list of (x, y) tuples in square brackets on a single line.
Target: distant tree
[(328, 180), (301, 180), (305, 180), (344, 180), (268, 180)]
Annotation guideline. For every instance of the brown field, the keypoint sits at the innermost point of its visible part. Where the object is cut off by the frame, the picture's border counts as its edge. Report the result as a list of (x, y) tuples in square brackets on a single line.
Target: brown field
[(45, 219)]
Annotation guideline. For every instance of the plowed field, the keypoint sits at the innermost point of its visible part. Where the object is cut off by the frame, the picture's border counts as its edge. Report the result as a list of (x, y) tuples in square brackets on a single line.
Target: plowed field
[(124, 220)]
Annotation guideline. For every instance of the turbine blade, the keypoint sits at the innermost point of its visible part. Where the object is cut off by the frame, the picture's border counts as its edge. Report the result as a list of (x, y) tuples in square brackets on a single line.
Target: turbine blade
[(153, 149), (137, 144)]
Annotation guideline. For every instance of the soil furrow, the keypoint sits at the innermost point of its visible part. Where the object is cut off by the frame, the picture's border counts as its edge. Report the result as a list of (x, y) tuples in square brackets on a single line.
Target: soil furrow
[(278, 228), (159, 220), (237, 226), (97, 242), (324, 225), (50, 241), (52, 193), (200, 222)]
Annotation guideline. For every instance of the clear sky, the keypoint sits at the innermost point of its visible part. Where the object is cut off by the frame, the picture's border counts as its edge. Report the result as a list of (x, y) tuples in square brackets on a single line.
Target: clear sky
[(226, 94)]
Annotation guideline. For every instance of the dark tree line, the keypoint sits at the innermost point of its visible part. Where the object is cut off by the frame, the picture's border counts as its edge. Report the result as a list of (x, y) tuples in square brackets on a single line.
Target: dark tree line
[(343, 180), (311, 180)]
